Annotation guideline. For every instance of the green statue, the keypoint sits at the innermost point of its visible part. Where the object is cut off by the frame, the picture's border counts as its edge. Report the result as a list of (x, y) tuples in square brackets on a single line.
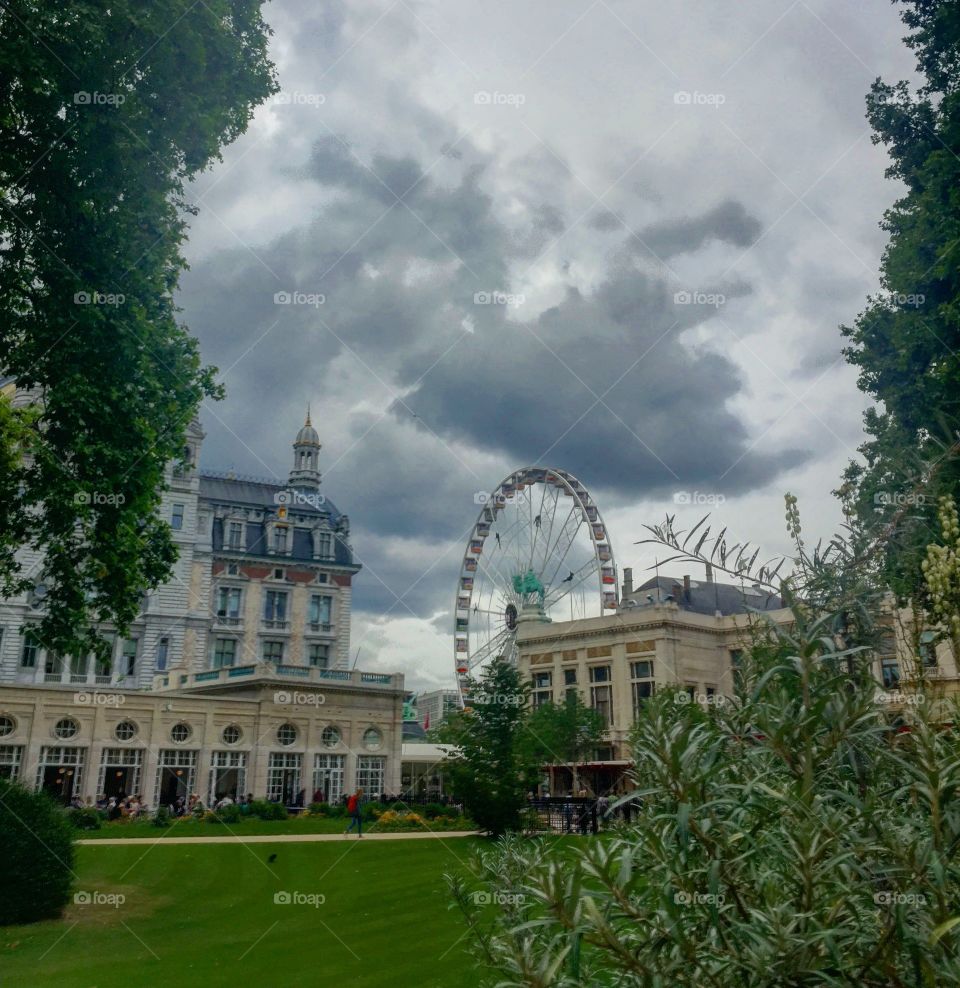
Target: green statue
[(528, 583)]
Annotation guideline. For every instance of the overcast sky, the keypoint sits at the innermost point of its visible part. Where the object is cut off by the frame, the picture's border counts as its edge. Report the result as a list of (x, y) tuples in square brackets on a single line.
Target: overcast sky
[(679, 203)]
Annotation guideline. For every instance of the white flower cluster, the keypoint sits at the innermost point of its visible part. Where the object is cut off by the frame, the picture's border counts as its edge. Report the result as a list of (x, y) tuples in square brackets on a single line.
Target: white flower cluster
[(941, 568)]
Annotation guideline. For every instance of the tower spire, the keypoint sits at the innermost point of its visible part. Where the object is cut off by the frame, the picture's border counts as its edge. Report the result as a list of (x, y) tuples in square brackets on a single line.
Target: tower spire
[(308, 422), (306, 457)]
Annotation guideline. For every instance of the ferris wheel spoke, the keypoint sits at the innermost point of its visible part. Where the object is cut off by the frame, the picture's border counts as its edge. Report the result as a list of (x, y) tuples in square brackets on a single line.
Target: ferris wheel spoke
[(578, 578), (490, 647), (570, 542), (552, 549)]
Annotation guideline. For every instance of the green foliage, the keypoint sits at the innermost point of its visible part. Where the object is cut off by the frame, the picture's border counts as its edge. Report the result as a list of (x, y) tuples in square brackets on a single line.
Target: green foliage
[(906, 343), (788, 837), (266, 810), (566, 732), (162, 817), (492, 768), (86, 818), (226, 814), (107, 112), (36, 866)]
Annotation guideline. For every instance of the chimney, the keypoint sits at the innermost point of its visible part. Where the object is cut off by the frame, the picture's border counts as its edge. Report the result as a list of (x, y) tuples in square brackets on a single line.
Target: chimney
[(709, 573), (627, 582), (686, 588)]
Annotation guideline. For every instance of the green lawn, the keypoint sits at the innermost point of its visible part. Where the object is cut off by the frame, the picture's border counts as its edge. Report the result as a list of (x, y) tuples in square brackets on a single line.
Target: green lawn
[(185, 827), (205, 915)]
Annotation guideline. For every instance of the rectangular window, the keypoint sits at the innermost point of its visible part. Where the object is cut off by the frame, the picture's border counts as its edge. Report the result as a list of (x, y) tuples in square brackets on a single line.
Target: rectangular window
[(235, 535), (601, 695), (275, 606), (320, 609), (228, 602), (273, 652), (569, 677), (10, 758), (318, 655), (128, 659), (325, 545), (642, 686), (224, 653), (163, 648), (890, 671), (328, 778), (283, 777), (280, 539), (370, 775), (176, 517), (28, 656), (542, 688), (928, 648)]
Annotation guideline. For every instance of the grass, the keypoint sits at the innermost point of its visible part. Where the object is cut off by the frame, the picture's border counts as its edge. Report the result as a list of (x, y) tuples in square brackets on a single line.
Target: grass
[(188, 827), (205, 915)]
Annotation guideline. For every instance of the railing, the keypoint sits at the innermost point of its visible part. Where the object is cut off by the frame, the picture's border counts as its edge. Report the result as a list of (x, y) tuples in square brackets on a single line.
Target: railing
[(276, 625), (202, 677), (229, 621), (318, 627), (563, 815), (302, 671), (375, 677), (241, 670), (341, 674)]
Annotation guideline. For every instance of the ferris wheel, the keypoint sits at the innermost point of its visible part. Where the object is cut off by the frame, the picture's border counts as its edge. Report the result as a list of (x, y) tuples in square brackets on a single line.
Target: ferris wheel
[(539, 551)]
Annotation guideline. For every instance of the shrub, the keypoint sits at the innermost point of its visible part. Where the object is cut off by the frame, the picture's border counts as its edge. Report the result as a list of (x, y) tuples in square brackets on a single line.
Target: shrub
[(265, 810), (86, 818), (162, 817), (36, 866), (326, 809), (226, 814)]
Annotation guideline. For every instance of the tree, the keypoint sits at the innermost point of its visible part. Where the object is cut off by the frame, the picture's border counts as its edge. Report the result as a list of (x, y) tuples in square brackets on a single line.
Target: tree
[(106, 113), (906, 343), (564, 732), (491, 768), (36, 867), (792, 836)]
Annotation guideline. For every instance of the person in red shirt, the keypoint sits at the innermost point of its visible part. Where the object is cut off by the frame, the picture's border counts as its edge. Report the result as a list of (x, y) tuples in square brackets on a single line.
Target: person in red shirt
[(354, 806)]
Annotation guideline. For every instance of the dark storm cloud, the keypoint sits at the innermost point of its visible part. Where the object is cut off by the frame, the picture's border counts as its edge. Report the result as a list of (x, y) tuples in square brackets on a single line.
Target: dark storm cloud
[(729, 222), (600, 383)]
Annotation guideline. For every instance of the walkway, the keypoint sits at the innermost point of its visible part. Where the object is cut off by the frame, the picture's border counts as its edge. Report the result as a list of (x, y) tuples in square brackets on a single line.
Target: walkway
[(279, 838)]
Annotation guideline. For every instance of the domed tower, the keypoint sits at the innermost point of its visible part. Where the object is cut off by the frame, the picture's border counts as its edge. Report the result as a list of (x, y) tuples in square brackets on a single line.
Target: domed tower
[(305, 474)]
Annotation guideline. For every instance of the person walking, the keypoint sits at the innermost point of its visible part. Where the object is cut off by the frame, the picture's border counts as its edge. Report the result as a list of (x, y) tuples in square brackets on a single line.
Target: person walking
[(354, 806)]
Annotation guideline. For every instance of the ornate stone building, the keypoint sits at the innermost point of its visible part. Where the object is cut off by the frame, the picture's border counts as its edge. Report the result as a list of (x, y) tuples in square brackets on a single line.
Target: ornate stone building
[(234, 678), (264, 574)]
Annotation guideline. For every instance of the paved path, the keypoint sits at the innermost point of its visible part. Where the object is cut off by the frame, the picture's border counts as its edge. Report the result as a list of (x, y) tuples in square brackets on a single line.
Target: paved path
[(280, 838)]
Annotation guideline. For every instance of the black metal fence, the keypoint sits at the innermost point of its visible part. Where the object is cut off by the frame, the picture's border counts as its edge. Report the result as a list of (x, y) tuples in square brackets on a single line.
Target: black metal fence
[(563, 815)]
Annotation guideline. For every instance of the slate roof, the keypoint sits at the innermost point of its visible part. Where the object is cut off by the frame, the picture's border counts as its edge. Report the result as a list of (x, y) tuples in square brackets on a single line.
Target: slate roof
[(705, 598)]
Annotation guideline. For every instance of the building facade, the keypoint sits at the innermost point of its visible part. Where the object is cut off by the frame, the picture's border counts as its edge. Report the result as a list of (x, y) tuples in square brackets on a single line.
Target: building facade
[(264, 574), (433, 706), (225, 732), (235, 677)]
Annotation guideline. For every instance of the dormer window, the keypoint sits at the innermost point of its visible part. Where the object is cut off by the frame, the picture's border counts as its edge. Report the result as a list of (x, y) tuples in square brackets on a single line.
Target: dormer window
[(280, 538), (235, 535)]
